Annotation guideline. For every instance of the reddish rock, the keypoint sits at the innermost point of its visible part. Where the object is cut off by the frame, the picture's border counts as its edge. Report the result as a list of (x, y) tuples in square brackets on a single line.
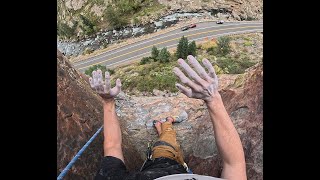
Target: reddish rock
[(79, 116)]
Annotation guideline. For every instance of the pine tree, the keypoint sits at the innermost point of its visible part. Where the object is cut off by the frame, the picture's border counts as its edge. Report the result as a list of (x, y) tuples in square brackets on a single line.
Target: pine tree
[(87, 25), (164, 55), (185, 48), (192, 48), (182, 48), (154, 53)]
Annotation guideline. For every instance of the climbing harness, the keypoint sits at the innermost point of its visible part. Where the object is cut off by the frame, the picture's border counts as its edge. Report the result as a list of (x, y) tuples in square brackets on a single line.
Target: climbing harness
[(187, 168), (149, 155)]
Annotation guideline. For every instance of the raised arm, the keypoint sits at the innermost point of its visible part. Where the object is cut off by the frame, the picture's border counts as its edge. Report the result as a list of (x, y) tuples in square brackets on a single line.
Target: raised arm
[(205, 86), (111, 128)]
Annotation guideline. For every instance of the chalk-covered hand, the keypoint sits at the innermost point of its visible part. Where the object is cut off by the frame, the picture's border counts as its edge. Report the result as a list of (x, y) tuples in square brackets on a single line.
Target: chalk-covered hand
[(202, 85), (103, 88)]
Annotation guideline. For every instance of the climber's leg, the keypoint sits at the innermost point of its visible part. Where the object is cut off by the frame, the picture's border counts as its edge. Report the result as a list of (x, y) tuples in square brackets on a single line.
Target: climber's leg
[(158, 127), (167, 145)]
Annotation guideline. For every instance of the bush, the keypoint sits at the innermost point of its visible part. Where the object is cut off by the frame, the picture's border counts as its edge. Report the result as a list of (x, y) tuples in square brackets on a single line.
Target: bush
[(248, 43), (218, 70), (115, 18), (208, 44), (210, 49), (154, 53), (245, 63), (87, 51), (234, 66), (145, 60), (155, 76), (87, 26), (250, 18), (96, 67), (128, 6), (64, 30), (147, 77), (136, 21), (224, 45), (164, 55), (192, 48)]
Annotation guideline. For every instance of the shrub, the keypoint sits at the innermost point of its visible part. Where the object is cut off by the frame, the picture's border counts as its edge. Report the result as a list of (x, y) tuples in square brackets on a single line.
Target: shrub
[(147, 77), (212, 50), (218, 70), (208, 44), (87, 51), (234, 66), (154, 53), (192, 48), (164, 55), (64, 30), (223, 45), (161, 78), (245, 63), (136, 21), (248, 43), (115, 18), (250, 18), (87, 26), (145, 60)]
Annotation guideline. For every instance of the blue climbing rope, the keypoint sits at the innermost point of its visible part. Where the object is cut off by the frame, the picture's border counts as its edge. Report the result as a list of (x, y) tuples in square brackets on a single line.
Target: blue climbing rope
[(75, 158)]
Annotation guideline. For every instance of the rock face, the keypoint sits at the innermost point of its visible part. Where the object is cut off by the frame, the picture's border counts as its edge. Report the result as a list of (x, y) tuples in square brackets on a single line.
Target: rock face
[(80, 115), (75, 4), (239, 9)]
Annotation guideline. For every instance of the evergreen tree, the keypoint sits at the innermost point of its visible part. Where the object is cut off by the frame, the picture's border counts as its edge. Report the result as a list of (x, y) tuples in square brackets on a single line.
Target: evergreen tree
[(164, 55), (182, 48), (115, 17), (87, 25), (192, 48), (154, 53)]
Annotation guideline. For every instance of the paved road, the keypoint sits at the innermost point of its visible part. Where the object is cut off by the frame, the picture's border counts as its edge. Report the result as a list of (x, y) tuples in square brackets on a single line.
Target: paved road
[(141, 49)]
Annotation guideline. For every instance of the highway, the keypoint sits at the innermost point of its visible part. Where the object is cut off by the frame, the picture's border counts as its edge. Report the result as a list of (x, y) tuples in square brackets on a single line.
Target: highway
[(136, 51)]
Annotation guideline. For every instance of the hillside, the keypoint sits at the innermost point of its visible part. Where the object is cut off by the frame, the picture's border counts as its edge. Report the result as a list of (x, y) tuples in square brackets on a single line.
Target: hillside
[(81, 18), (84, 18), (151, 76)]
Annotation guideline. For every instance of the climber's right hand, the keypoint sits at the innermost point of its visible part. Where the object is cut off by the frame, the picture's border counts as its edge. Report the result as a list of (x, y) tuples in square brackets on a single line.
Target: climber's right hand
[(204, 86), (103, 88)]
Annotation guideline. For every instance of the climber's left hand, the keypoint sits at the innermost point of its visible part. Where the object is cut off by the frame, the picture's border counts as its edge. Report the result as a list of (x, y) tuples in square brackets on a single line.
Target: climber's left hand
[(103, 88)]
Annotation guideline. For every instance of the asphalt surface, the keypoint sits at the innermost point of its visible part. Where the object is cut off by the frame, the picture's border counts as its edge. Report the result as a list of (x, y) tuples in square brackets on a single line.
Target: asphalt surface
[(170, 39)]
